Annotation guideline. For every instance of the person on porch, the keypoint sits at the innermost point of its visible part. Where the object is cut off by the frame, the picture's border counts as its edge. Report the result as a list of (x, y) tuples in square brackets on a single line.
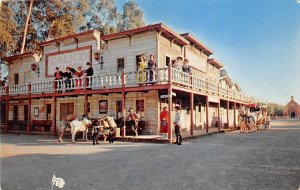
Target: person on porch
[(152, 66), (164, 119), (177, 124), (67, 76), (133, 119), (178, 63), (141, 67), (89, 72), (185, 67), (58, 76), (78, 74)]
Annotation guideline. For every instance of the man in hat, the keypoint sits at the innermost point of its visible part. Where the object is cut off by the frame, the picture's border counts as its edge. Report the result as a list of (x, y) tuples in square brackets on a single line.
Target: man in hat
[(178, 63), (89, 72), (133, 119), (177, 124), (67, 76)]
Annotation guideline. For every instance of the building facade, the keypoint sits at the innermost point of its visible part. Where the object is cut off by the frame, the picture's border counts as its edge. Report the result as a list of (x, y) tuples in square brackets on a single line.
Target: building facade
[(33, 98), (292, 109)]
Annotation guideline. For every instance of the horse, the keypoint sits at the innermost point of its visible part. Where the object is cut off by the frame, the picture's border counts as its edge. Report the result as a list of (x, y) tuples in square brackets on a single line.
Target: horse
[(80, 125), (105, 124), (242, 121), (250, 120), (61, 127)]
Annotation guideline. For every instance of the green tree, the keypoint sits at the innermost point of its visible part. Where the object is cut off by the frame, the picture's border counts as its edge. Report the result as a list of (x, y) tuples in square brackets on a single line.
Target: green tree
[(7, 29), (132, 17)]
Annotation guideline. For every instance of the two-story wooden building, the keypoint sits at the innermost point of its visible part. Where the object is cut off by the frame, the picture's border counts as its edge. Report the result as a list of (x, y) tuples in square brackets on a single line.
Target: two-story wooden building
[(32, 95)]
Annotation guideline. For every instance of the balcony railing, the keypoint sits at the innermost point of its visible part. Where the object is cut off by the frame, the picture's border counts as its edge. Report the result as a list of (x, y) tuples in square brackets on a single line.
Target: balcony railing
[(136, 78)]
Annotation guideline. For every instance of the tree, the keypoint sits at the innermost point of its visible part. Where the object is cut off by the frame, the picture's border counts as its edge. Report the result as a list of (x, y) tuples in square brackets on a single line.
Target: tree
[(274, 108), (133, 16), (7, 29), (26, 26)]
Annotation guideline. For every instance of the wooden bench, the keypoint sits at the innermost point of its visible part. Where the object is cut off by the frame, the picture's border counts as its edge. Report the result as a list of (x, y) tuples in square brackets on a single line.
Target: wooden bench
[(41, 125)]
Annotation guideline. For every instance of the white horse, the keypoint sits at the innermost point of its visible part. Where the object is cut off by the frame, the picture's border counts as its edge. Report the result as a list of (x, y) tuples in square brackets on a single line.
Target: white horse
[(80, 125), (242, 119)]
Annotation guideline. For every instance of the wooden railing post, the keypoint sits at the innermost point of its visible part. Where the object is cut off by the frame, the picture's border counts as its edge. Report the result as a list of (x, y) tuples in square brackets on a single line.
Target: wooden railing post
[(6, 108), (123, 129), (170, 104), (29, 108)]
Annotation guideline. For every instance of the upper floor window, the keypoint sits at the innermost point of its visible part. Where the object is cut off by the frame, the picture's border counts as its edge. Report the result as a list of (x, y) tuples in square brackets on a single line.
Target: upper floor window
[(16, 78), (168, 60), (120, 65)]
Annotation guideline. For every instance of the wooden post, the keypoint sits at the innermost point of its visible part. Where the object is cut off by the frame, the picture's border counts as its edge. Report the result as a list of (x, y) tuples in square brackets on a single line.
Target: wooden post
[(219, 116), (170, 103), (6, 109), (192, 113), (29, 108), (54, 109), (234, 114), (227, 107), (85, 96), (207, 102), (123, 130)]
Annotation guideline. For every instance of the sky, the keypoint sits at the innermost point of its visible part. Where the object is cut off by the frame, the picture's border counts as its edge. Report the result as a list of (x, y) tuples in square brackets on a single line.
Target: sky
[(258, 41)]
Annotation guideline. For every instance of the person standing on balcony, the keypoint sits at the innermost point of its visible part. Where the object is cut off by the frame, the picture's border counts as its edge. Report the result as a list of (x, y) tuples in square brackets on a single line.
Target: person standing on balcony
[(177, 124), (78, 74), (89, 72), (152, 66), (67, 76), (141, 68), (164, 125), (58, 76), (185, 67), (178, 63)]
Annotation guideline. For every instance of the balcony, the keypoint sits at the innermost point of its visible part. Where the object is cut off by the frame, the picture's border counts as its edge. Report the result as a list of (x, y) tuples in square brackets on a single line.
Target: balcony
[(124, 79)]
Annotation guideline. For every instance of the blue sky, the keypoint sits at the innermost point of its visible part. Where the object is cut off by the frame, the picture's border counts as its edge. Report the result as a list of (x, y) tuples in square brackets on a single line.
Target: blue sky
[(258, 41)]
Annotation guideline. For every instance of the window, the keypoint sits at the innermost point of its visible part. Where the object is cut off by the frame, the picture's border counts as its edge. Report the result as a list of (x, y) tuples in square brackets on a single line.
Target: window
[(168, 61), (119, 109), (103, 106), (140, 107), (25, 112), (26, 77), (16, 77), (120, 65), (16, 113)]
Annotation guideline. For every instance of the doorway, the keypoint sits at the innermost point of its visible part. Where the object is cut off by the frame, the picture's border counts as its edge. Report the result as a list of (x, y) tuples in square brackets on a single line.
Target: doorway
[(66, 109), (48, 112), (293, 114)]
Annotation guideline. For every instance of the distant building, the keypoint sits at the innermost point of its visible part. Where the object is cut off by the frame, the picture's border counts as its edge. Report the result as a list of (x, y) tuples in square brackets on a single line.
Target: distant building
[(292, 109)]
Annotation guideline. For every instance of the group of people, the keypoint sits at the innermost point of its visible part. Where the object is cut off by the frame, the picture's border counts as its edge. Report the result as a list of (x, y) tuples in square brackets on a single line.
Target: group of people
[(69, 73), (164, 123), (182, 65), (142, 66)]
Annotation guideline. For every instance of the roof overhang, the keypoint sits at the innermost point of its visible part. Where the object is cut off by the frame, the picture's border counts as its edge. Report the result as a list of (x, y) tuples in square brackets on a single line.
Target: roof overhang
[(216, 63), (12, 58), (197, 43), (165, 31), (84, 35)]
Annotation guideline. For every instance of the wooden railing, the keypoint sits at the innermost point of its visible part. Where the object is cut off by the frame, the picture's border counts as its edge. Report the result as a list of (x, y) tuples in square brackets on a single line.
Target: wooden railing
[(136, 78)]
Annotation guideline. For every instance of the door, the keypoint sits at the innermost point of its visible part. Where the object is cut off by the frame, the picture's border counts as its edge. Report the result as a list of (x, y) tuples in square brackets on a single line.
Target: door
[(66, 109), (16, 113), (25, 112), (48, 112), (118, 109)]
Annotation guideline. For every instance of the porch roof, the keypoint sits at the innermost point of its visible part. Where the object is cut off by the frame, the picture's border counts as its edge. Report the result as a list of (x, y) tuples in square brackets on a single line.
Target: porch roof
[(160, 27), (11, 58), (197, 43), (216, 63)]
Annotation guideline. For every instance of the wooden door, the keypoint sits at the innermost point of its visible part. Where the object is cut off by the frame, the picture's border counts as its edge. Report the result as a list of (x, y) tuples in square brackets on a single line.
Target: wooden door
[(48, 112), (66, 109)]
